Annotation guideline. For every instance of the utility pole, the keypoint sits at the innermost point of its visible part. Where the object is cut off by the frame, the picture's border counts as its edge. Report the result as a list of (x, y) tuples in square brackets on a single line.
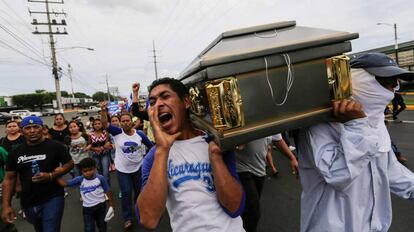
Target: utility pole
[(51, 22), (107, 88), (70, 77), (396, 43), (155, 59), (395, 39)]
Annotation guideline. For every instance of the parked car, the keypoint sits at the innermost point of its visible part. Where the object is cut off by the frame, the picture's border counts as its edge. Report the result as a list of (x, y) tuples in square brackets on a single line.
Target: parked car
[(24, 113), (4, 117), (49, 111), (91, 109)]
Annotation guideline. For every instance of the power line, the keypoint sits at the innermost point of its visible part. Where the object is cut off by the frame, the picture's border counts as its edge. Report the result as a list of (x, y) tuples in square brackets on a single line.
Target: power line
[(22, 42), (22, 53)]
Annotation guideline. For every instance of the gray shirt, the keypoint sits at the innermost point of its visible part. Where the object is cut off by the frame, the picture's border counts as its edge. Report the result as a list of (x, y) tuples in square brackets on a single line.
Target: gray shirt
[(253, 157)]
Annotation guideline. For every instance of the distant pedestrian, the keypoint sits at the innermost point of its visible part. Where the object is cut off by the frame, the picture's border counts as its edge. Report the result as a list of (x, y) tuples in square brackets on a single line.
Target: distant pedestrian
[(59, 130), (13, 138), (37, 163), (398, 105)]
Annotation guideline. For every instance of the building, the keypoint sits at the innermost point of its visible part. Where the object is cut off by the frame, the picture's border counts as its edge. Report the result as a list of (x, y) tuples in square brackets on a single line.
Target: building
[(405, 54)]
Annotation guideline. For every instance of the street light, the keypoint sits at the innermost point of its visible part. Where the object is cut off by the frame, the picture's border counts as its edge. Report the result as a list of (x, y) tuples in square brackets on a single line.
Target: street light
[(67, 48), (58, 92), (395, 38)]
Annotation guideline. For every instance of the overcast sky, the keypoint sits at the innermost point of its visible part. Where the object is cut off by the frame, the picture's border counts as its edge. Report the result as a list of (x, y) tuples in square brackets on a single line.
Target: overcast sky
[(122, 31)]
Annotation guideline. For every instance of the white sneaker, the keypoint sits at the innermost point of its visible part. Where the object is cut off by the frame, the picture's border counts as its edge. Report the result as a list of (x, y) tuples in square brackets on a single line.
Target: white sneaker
[(292, 148)]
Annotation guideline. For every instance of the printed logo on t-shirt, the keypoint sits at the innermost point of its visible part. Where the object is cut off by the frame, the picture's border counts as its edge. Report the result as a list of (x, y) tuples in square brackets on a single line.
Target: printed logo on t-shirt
[(30, 158), (89, 189), (197, 171), (130, 147)]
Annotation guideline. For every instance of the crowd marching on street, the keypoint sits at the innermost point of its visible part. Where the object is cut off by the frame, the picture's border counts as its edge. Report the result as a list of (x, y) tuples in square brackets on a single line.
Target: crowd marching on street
[(163, 163)]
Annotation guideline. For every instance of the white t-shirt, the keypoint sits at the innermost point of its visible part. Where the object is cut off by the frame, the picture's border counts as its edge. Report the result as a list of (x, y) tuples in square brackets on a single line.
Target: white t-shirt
[(277, 137), (92, 191), (129, 149), (192, 202), (76, 149)]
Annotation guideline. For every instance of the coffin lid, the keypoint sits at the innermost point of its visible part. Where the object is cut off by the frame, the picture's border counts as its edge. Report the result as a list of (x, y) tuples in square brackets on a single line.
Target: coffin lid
[(263, 40)]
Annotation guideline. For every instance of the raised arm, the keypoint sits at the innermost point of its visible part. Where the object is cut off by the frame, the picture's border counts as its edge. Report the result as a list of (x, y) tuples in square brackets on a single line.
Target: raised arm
[(340, 157), (104, 114), (135, 104), (229, 189)]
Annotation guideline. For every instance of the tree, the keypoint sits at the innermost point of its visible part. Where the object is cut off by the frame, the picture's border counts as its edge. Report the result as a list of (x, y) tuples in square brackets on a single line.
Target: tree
[(40, 91), (81, 95), (29, 100), (64, 93), (101, 96)]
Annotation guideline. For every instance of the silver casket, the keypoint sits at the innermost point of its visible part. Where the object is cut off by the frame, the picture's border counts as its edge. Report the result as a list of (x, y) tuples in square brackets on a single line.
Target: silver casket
[(258, 81)]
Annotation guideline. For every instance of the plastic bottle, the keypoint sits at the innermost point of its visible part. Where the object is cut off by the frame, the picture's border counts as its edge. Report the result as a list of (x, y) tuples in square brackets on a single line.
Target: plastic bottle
[(35, 168)]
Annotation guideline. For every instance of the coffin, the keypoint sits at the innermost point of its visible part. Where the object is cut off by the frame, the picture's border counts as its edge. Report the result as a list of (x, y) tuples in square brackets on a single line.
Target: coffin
[(258, 81)]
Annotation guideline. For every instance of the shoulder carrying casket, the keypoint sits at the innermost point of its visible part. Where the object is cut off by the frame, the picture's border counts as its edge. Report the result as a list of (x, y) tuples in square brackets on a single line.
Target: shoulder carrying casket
[(258, 81)]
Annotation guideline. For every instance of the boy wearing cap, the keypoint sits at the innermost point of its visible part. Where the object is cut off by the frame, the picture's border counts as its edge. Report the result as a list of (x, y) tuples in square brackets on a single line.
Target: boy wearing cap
[(41, 196), (347, 168)]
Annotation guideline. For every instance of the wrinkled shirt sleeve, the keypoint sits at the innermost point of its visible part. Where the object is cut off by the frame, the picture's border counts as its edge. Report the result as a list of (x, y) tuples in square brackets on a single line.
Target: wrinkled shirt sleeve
[(339, 161), (401, 180)]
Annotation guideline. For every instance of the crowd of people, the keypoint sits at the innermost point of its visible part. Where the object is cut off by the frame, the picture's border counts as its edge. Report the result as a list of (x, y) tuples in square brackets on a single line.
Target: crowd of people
[(347, 168)]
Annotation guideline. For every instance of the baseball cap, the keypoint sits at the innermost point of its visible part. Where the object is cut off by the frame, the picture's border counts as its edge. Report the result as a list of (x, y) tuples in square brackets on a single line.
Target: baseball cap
[(380, 65), (31, 120)]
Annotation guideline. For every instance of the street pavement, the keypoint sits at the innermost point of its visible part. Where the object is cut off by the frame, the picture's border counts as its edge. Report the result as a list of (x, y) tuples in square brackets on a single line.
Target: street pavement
[(280, 199)]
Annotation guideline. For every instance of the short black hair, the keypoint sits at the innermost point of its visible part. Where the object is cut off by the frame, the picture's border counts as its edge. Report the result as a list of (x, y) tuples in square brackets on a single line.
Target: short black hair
[(177, 86), (87, 163)]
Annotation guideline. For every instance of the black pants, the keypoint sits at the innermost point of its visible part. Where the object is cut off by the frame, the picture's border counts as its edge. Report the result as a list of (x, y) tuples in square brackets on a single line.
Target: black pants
[(398, 105), (95, 214), (253, 186)]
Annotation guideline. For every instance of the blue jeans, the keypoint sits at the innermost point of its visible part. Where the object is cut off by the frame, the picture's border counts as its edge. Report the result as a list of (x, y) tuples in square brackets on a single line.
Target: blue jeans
[(47, 216), (95, 214), (103, 161), (129, 182)]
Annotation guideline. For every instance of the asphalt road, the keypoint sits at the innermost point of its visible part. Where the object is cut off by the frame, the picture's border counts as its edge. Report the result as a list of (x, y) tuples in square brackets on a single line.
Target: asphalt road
[(280, 199)]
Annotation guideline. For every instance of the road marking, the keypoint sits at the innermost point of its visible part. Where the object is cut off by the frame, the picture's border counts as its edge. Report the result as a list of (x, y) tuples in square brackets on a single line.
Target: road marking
[(408, 122)]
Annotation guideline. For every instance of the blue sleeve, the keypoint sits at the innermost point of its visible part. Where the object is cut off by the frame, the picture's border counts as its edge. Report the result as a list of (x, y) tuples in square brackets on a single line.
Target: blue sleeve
[(145, 172), (146, 167), (145, 139), (104, 183), (75, 181), (114, 130), (230, 161)]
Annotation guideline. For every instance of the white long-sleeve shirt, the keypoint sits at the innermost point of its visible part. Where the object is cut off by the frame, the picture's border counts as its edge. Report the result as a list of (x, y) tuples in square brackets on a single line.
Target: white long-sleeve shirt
[(347, 180)]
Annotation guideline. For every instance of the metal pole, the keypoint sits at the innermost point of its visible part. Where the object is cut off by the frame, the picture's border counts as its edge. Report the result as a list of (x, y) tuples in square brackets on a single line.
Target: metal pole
[(155, 60), (71, 82), (107, 89), (396, 43), (54, 61)]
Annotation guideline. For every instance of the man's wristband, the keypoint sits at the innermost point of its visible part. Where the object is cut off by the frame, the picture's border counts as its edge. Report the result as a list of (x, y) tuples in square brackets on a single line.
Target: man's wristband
[(50, 176)]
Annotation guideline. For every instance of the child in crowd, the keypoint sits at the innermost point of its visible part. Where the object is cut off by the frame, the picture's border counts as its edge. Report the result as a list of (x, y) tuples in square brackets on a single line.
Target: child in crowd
[(93, 188), (77, 142), (45, 132)]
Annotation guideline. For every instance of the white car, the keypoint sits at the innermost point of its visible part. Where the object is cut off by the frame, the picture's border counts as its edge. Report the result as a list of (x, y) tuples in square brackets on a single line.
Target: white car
[(24, 113)]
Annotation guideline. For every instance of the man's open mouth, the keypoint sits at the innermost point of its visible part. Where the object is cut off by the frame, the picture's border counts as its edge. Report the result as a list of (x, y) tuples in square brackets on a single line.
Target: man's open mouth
[(165, 117)]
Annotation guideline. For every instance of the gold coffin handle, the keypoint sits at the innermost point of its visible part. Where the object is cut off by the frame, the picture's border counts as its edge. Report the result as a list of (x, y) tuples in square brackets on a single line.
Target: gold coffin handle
[(339, 77), (225, 103)]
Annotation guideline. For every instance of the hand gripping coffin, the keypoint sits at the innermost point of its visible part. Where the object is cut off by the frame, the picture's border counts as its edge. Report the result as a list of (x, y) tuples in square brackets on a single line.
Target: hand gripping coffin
[(254, 82)]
